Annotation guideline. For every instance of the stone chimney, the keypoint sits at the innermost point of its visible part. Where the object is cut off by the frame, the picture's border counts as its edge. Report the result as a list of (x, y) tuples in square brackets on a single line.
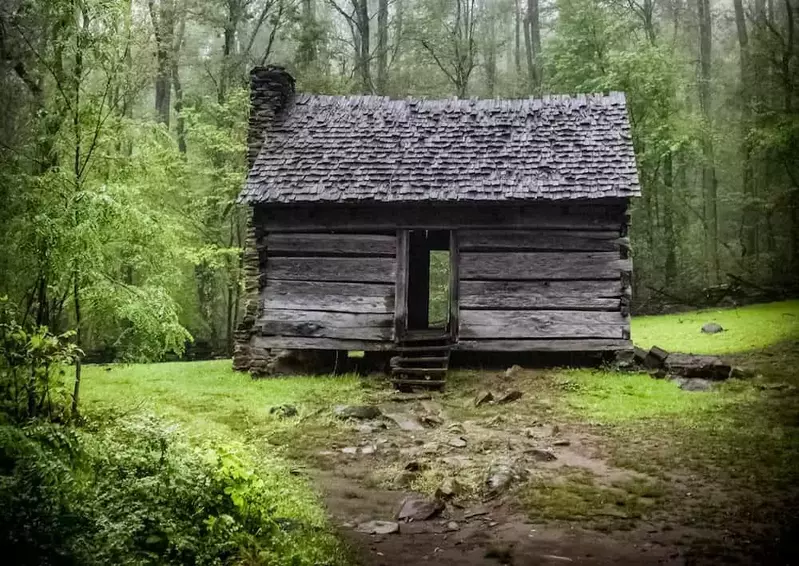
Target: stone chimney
[(271, 92)]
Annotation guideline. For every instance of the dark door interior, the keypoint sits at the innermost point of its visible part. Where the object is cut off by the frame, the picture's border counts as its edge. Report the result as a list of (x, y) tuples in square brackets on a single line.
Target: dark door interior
[(428, 279)]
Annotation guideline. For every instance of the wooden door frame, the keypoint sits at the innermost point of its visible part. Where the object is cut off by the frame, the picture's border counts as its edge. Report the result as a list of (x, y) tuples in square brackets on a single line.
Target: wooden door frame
[(403, 277)]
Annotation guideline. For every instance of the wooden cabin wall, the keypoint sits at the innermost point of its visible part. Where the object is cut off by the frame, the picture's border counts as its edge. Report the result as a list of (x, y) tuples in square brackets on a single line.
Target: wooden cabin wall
[(545, 289), (332, 291)]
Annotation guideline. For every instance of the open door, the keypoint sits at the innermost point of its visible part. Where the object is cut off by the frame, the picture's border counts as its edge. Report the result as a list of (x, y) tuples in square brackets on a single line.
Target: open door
[(426, 295)]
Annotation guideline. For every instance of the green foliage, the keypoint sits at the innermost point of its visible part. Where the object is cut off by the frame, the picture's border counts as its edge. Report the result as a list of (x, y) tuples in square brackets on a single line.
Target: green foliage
[(32, 365), (132, 490)]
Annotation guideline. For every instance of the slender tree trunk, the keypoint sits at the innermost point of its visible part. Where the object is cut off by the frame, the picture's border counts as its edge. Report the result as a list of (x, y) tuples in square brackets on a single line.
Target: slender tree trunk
[(532, 37), (382, 46), (162, 14), (517, 39), (669, 236), (180, 122), (364, 49), (749, 213), (491, 58), (709, 183)]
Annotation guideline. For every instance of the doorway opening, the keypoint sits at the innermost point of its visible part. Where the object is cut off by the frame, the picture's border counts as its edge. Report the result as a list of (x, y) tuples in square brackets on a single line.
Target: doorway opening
[(429, 280)]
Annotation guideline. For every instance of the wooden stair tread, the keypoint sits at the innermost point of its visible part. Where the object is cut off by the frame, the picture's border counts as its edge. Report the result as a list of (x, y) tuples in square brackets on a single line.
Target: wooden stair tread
[(430, 348), (420, 370), (430, 359)]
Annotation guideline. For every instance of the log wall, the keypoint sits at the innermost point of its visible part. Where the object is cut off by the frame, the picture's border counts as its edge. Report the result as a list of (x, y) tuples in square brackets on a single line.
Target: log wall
[(546, 288), (326, 291)]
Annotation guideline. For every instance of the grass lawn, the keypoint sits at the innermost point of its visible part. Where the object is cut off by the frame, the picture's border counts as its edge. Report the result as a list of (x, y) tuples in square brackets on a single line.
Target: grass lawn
[(746, 328)]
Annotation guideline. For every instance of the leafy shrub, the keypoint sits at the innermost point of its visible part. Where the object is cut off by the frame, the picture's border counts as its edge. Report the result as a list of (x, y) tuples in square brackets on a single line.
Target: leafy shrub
[(32, 365), (135, 491)]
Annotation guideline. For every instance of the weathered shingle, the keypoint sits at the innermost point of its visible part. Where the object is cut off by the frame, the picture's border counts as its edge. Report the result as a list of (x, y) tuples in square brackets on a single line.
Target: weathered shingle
[(367, 148)]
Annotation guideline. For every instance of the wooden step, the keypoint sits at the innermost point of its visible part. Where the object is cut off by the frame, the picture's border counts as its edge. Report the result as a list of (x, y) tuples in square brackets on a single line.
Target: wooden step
[(426, 348), (426, 359), (421, 371), (434, 382)]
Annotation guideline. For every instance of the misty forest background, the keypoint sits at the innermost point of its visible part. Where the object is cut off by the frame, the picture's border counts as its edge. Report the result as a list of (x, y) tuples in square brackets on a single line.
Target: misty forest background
[(122, 139)]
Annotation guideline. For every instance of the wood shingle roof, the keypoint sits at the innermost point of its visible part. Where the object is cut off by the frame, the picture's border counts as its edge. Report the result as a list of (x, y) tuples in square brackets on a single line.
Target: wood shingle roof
[(347, 149)]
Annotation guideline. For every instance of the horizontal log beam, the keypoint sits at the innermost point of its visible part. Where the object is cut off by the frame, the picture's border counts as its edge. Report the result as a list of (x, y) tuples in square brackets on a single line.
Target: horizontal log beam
[(386, 218), (326, 324), (544, 345), (546, 295), (371, 269), (304, 343), (278, 244), (328, 296), (488, 324), (540, 240), (542, 265)]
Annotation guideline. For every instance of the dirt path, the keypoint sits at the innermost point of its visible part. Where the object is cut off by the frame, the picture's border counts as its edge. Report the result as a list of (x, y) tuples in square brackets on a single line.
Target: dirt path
[(366, 477)]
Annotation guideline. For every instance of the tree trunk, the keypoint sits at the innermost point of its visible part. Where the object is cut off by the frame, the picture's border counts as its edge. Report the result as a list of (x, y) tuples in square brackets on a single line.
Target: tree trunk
[(517, 40), (670, 239), (491, 58), (180, 124), (749, 216), (709, 183), (382, 46), (532, 37), (162, 14), (364, 50)]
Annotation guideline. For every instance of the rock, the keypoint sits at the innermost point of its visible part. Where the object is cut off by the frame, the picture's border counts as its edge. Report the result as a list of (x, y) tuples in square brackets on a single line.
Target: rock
[(639, 355), (369, 428), (283, 411), (694, 383), (405, 421), (712, 328), (414, 466), (483, 397), (540, 455), (405, 478), (655, 357), (457, 442), (741, 373), (476, 512), (659, 374), (509, 397), (378, 527), (513, 371), (690, 365), (361, 412), (431, 420), (448, 489), (419, 509), (368, 449), (561, 443), (501, 475), (453, 526), (350, 450)]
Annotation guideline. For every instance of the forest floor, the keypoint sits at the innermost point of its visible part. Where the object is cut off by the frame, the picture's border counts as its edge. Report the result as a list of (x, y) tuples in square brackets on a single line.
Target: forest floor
[(600, 467)]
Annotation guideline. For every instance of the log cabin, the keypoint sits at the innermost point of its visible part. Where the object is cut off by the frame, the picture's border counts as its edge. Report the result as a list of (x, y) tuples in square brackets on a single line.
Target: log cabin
[(351, 196)]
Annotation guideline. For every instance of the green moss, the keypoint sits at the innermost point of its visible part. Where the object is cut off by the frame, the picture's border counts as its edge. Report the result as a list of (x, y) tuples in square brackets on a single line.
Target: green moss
[(745, 328)]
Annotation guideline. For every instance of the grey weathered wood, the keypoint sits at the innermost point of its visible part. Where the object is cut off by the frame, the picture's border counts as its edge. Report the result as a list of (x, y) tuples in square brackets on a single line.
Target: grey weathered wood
[(544, 345), (325, 324), (339, 244), (542, 265), (594, 215), (552, 295), (305, 343), (401, 282), (535, 240), (362, 269), (454, 283), (484, 324), (328, 296)]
